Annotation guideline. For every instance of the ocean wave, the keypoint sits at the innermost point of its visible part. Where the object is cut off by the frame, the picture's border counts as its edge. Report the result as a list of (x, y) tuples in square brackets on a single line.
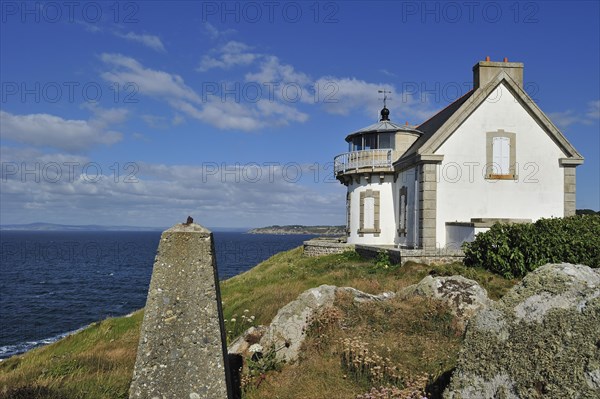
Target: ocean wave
[(12, 350)]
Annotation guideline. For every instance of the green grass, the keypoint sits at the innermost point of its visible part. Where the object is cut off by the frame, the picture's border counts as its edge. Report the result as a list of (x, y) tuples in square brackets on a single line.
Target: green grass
[(280, 279), (419, 337), (95, 362), (98, 361)]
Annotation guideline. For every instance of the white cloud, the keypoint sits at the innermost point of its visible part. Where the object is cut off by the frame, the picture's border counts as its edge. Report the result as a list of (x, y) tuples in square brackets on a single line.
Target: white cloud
[(388, 73), (283, 91), (283, 112), (564, 119), (107, 116), (272, 70), (150, 41), (149, 82), (89, 27), (31, 154), (155, 121), (177, 120), (160, 195), (593, 110), (232, 54), (215, 33), (342, 96), (72, 135), (223, 113)]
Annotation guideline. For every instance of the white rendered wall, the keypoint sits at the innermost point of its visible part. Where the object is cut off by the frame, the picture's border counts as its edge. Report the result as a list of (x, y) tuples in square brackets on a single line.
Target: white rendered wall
[(463, 192), (387, 218), (456, 235)]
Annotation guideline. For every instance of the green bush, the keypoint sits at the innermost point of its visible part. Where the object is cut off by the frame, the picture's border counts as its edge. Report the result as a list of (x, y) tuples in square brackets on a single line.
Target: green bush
[(382, 260), (513, 250)]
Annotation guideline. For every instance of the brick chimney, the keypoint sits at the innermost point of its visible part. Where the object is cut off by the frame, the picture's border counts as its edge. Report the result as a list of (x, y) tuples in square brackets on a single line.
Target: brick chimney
[(486, 71)]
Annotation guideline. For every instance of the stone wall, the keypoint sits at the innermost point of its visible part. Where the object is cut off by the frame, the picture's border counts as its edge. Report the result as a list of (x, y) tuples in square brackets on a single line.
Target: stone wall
[(400, 255), (325, 246)]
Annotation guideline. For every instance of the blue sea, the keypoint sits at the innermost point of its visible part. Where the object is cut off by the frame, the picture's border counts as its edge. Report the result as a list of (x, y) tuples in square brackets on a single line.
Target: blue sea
[(54, 283)]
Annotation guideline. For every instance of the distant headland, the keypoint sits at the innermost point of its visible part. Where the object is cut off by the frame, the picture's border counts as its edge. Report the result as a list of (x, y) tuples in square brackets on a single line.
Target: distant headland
[(67, 227), (300, 229)]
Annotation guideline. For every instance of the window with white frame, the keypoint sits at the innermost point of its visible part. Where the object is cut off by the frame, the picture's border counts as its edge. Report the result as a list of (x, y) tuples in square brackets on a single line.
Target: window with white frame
[(501, 155), (369, 213)]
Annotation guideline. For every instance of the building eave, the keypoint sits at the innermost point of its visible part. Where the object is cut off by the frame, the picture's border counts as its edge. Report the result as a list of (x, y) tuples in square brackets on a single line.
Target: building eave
[(570, 161), (415, 159)]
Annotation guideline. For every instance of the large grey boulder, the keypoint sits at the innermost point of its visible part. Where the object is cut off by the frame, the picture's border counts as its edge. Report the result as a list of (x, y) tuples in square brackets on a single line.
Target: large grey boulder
[(362, 297), (287, 331), (465, 297), (249, 339), (541, 340)]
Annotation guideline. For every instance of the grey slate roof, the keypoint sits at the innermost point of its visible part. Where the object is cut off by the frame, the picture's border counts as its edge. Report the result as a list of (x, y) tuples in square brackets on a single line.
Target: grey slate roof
[(431, 125), (383, 126)]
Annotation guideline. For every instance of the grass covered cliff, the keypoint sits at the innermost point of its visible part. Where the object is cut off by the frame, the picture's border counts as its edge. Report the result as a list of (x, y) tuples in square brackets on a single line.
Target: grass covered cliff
[(418, 337)]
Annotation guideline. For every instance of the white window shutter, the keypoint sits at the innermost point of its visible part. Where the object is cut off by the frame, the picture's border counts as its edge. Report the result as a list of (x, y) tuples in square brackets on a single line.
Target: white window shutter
[(403, 212), (501, 155), (369, 216)]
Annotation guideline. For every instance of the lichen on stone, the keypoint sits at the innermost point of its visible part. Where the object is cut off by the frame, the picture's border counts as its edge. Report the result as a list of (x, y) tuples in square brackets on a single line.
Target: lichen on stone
[(537, 341)]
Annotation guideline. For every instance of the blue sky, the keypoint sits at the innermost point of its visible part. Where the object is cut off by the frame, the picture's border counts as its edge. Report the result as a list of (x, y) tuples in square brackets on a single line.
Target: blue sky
[(140, 113)]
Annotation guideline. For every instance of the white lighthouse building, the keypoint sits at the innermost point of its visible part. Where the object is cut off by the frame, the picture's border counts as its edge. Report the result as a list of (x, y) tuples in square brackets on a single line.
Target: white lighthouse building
[(490, 156)]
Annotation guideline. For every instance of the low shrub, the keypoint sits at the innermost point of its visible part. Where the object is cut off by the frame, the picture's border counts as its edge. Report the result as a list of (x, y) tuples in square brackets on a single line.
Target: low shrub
[(382, 260), (513, 250), (366, 365)]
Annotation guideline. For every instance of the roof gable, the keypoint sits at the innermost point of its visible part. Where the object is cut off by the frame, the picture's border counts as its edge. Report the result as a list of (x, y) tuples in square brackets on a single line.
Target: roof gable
[(442, 125)]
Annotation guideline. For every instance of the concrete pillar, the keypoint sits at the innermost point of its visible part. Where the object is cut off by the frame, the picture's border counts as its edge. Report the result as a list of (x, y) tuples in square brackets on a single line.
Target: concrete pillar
[(182, 342), (569, 196), (427, 206)]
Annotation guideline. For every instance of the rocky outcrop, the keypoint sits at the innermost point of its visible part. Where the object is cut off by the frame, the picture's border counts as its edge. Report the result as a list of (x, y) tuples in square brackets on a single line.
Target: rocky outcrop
[(244, 342), (464, 296), (541, 340), (287, 331), (362, 297)]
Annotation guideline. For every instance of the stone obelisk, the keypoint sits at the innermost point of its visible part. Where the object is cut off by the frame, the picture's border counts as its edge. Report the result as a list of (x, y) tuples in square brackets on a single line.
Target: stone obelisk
[(182, 350)]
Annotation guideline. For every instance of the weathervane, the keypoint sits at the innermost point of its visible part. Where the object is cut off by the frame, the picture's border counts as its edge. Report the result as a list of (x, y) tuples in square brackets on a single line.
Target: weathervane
[(385, 93), (385, 113)]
